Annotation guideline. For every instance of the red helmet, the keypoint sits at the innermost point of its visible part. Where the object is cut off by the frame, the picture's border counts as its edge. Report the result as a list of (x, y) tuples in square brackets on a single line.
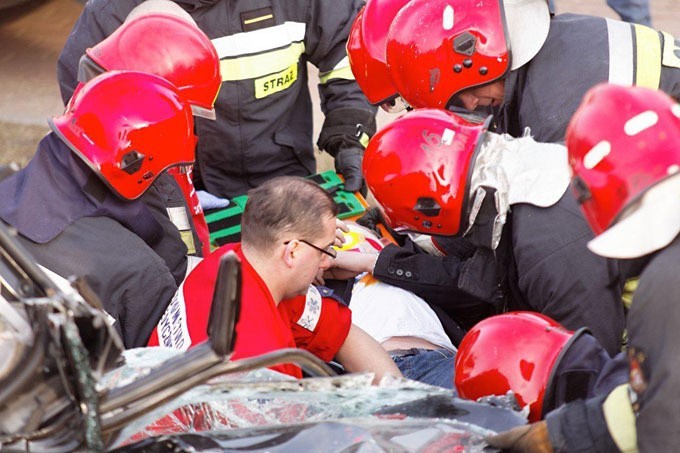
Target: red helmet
[(168, 46), (436, 48), (128, 127), (366, 49), (621, 141), (515, 351), (418, 168)]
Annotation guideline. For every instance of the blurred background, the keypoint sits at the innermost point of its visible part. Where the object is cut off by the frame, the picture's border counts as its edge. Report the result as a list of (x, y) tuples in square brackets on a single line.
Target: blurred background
[(32, 33)]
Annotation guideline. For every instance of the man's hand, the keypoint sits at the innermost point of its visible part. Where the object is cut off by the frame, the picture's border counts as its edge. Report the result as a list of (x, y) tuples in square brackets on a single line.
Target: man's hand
[(531, 438), (348, 164)]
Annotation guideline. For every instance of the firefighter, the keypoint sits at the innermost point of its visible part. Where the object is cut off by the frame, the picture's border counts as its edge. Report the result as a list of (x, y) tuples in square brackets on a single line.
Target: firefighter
[(77, 206), (366, 52), (177, 50), (624, 150), (435, 173), (497, 353), (535, 75), (264, 115)]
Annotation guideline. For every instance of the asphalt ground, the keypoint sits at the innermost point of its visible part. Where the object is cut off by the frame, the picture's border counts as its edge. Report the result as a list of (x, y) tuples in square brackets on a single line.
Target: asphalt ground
[(32, 35)]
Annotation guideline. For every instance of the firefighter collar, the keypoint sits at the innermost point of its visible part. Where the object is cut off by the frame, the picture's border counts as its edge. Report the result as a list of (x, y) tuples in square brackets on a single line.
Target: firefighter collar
[(650, 225), (528, 23), (520, 171)]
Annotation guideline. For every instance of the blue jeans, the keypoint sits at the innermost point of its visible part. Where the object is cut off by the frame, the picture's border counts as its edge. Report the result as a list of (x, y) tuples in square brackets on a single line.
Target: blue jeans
[(434, 367)]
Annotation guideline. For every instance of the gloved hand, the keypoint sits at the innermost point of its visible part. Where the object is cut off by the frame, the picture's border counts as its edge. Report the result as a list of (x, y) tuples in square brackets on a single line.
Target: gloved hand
[(210, 201), (348, 164), (531, 438), (372, 218)]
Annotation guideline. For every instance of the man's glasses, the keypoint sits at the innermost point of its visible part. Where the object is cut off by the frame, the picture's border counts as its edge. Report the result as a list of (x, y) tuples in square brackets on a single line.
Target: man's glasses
[(330, 251)]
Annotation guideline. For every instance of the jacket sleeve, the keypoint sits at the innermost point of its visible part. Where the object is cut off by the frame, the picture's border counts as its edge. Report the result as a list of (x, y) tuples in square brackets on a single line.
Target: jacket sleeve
[(98, 20), (350, 118), (580, 426), (437, 279), (319, 324)]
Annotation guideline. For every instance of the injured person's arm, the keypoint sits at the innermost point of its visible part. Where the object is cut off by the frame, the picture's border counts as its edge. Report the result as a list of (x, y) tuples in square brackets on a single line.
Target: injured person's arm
[(361, 353)]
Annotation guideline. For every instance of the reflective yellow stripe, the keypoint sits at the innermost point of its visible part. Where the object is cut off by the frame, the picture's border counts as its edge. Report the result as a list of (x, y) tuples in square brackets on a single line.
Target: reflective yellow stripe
[(188, 239), (648, 57), (270, 84), (671, 51), (253, 66), (364, 139), (258, 19), (628, 291), (340, 73), (618, 413)]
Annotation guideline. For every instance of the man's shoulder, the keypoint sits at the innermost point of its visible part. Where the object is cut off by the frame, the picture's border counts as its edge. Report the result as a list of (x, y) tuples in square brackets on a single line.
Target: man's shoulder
[(110, 10), (563, 219), (111, 5), (210, 263), (663, 266), (118, 241)]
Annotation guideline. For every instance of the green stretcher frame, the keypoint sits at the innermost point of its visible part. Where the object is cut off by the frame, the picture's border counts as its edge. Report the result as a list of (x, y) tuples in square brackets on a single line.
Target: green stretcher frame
[(225, 224)]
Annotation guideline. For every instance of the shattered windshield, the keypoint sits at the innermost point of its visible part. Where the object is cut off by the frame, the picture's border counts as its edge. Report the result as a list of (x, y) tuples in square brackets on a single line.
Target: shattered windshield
[(398, 412)]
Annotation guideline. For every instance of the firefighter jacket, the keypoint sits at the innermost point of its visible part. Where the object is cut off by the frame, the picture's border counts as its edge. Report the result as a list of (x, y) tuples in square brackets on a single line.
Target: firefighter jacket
[(642, 414), (580, 52), (264, 110)]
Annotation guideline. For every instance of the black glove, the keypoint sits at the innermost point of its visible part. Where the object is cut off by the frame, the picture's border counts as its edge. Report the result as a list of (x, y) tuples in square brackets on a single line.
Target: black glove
[(531, 438), (372, 218), (348, 164)]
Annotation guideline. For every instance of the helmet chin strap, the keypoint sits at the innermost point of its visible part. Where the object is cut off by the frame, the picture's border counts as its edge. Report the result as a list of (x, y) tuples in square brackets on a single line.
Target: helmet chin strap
[(88, 69), (485, 221), (513, 170), (488, 194)]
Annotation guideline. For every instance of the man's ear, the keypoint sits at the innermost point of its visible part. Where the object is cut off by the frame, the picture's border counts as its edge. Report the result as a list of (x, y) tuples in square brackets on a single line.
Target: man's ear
[(290, 251)]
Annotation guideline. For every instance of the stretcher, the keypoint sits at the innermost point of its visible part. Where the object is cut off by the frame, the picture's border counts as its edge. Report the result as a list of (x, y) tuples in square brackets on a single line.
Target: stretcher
[(224, 224)]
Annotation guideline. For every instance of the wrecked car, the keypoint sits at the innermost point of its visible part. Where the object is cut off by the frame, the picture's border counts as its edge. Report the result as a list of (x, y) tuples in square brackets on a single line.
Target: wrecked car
[(67, 384)]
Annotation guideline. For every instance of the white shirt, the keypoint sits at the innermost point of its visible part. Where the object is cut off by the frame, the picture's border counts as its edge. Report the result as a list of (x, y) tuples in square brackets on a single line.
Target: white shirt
[(385, 311)]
